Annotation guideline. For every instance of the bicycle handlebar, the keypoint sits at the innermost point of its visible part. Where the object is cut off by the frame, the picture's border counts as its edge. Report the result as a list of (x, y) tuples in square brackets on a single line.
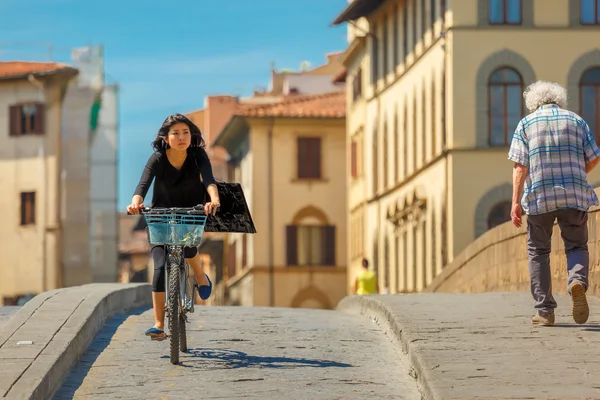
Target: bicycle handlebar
[(196, 210)]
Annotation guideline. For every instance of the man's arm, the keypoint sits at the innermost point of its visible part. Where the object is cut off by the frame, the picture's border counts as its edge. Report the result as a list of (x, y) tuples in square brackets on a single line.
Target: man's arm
[(519, 175), (591, 165)]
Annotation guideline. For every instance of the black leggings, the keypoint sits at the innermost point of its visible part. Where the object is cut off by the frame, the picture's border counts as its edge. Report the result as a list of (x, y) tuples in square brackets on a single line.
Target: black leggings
[(159, 255)]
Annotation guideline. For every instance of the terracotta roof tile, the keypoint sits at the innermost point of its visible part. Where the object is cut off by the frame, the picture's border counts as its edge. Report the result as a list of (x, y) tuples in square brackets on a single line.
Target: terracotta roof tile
[(16, 69), (326, 105)]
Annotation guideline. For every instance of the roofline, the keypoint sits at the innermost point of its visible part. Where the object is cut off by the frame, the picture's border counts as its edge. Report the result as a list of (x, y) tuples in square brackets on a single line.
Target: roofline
[(357, 44), (357, 9), (69, 71), (224, 137)]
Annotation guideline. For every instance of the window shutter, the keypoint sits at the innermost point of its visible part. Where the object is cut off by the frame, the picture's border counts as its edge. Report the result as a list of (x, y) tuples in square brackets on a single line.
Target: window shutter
[(39, 125), (353, 153), (14, 120), (316, 158), (301, 158), (329, 245), (292, 245)]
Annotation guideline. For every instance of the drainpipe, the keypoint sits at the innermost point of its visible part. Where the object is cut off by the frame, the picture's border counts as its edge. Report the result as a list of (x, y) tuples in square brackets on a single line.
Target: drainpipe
[(270, 212), (42, 152)]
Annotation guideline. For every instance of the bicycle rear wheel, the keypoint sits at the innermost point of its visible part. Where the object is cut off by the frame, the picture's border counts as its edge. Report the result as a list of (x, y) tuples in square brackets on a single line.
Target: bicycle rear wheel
[(174, 311)]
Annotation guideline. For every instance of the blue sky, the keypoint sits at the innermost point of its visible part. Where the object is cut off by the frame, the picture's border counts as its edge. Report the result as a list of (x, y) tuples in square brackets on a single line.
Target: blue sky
[(168, 55)]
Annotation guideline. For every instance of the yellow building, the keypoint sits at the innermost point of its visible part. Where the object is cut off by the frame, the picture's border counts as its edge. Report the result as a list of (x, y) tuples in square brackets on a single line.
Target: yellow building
[(31, 233), (434, 92), (290, 159)]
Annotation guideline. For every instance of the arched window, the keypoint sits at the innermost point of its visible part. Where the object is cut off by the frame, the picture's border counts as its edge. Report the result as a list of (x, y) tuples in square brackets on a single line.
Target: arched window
[(499, 214), (590, 99), (505, 105), (310, 240)]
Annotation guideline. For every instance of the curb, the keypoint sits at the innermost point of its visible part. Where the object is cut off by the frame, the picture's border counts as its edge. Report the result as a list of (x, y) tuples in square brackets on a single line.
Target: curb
[(65, 321), (381, 314)]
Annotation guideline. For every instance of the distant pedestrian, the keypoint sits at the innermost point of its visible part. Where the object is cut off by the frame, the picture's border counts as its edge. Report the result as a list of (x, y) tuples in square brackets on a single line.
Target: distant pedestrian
[(366, 281), (553, 150)]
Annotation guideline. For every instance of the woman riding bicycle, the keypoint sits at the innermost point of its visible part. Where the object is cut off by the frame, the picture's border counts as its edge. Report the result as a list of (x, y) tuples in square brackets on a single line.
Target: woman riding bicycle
[(177, 163)]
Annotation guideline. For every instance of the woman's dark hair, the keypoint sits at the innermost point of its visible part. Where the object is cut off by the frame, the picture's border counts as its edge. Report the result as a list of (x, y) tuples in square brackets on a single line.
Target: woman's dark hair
[(159, 143)]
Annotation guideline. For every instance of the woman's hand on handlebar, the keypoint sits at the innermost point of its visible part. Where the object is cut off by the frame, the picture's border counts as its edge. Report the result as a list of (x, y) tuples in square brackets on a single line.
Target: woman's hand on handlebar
[(135, 206), (211, 207)]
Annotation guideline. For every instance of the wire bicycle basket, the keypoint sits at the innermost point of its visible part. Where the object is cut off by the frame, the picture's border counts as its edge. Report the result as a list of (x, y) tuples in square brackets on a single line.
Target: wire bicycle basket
[(175, 229)]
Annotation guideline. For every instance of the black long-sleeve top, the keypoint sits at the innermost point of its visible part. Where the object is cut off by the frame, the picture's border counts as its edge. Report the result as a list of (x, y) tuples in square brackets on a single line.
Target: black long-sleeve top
[(173, 187)]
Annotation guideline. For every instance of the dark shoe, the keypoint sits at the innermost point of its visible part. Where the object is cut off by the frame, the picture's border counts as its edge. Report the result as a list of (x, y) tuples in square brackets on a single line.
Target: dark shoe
[(581, 310), (204, 291), (156, 334), (543, 319)]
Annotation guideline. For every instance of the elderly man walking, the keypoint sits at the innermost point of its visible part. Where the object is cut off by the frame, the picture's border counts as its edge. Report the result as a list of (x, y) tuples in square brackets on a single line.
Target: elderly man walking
[(553, 149)]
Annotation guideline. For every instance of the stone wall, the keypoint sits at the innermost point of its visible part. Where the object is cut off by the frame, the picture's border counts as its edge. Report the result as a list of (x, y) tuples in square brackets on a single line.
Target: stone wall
[(497, 262)]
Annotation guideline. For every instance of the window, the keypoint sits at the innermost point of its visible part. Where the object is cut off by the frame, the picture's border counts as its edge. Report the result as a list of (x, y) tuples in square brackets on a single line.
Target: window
[(415, 38), (309, 158), (414, 132), (505, 105), (26, 119), (374, 55), (354, 159), (231, 260), (506, 12), (588, 12), (433, 121), (405, 136), (396, 56), (499, 214), (423, 17), (385, 47), (386, 151), (375, 161), (27, 208), (310, 245), (404, 30), (589, 92), (396, 148), (424, 124), (357, 85)]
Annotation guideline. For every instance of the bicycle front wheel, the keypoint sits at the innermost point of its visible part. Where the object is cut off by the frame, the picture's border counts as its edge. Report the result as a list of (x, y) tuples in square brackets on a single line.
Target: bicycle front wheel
[(174, 311)]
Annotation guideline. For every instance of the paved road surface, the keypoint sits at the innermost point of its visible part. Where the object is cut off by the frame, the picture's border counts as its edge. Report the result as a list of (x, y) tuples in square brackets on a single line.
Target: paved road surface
[(7, 312), (252, 353)]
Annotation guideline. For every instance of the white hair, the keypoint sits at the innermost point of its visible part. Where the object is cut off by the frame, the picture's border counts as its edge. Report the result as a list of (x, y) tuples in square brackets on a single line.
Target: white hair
[(541, 92)]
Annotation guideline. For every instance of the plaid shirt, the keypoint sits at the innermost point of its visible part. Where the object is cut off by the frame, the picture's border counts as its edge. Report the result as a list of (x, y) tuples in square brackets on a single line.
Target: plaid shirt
[(555, 145)]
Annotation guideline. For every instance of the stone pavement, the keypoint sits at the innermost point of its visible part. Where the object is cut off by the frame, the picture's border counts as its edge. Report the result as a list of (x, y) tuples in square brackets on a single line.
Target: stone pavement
[(7, 312), (235, 352), (483, 346)]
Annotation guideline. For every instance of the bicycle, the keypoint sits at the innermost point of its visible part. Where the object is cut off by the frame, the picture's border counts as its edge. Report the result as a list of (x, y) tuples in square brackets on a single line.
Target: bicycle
[(176, 228)]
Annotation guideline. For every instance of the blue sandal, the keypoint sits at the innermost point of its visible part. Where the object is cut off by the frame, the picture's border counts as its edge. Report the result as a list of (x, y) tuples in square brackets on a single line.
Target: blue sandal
[(156, 334), (204, 291)]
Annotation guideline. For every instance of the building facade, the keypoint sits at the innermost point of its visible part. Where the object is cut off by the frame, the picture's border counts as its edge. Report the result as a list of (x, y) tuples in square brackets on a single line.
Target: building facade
[(289, 157), (31, 121), (434, 92)]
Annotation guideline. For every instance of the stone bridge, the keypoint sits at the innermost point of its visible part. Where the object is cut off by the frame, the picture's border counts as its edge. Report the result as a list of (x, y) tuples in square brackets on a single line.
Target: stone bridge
[(87, 343)]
